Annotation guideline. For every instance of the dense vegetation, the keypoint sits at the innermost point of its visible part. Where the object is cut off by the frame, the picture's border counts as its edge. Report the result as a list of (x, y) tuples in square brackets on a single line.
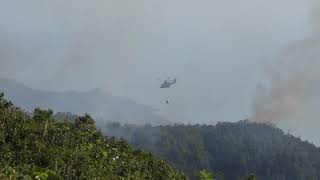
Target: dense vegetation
[(231, 150), (39, 147), (65, 146)]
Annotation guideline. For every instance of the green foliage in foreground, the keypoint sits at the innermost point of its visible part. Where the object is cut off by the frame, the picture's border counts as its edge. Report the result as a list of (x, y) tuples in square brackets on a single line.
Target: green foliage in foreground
[(39, 147), (205, 175)]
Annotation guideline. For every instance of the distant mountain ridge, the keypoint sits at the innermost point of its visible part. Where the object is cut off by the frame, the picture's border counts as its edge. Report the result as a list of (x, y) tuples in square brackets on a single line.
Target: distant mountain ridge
[(95, 102)]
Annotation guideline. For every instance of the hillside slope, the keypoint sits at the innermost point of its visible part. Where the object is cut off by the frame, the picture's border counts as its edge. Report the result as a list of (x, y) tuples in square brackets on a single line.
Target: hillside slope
[(231, 150), (96, 102), (40, 147)]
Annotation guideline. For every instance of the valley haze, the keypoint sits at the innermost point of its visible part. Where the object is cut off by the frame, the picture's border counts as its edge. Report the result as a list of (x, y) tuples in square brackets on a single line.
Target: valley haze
[(233, 60)]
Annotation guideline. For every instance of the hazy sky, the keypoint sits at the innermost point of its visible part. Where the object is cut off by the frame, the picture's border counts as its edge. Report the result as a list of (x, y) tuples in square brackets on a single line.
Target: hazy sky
[(218, 50)]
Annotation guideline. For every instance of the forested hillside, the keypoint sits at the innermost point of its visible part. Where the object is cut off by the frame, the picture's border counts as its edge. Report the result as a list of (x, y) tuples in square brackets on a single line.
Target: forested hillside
[(40, 147), (231, 150), (60, 146)]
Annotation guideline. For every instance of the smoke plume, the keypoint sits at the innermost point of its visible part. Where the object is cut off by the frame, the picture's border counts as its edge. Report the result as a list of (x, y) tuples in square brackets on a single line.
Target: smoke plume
[(294, 81)]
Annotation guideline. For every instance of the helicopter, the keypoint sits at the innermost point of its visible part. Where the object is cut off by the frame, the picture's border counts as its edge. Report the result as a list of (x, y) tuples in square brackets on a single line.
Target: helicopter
[(168, 82)]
